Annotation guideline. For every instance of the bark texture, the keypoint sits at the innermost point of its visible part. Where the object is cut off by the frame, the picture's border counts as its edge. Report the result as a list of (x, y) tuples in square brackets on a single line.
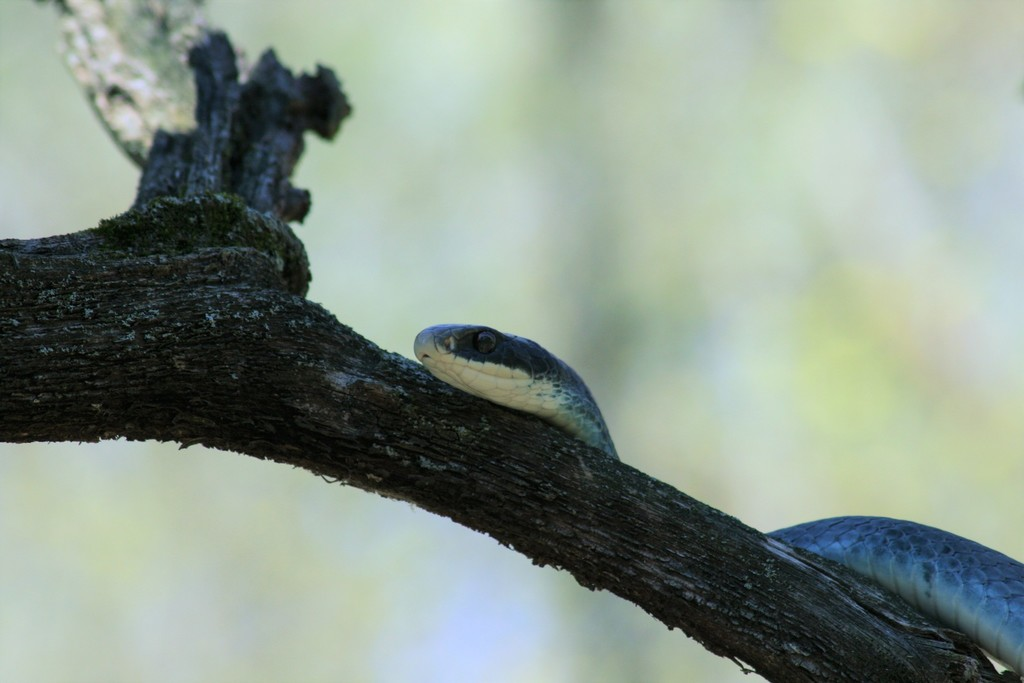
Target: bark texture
[(211, 347), (184, 320)]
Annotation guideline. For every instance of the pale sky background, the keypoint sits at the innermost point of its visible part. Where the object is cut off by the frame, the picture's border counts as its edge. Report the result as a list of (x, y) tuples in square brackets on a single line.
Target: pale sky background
[(782, 241)]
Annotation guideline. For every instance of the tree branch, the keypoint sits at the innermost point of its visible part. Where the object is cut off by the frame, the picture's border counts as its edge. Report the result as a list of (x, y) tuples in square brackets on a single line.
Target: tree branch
[(209, 347), (183, 321)]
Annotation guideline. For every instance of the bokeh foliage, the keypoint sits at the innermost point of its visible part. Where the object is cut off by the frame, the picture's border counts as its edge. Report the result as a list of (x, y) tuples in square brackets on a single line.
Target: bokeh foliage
[(782, 241)]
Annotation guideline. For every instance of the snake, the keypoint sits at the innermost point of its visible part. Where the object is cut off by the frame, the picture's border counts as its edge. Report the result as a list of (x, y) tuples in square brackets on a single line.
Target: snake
[(956, 582)]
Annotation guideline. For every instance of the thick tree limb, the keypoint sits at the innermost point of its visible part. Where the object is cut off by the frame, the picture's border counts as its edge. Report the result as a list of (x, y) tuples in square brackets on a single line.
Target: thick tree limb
[(184, 321), (210, 347)]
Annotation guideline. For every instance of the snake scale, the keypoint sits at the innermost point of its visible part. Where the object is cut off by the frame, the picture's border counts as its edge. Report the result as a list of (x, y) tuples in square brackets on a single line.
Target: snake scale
[(961, 584)]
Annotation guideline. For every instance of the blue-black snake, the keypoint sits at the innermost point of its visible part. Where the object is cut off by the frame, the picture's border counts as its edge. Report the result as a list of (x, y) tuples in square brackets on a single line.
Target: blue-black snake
[(961, 584)]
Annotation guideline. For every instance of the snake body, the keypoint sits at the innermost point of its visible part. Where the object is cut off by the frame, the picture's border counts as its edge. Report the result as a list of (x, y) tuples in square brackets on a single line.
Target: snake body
[(960, 584)]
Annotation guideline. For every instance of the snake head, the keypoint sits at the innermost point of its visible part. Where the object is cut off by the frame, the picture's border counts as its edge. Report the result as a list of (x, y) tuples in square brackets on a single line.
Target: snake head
[(514, 372)]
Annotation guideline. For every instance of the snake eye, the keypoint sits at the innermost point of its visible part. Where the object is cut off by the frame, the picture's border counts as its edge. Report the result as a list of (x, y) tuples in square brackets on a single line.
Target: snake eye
[(485, 341)]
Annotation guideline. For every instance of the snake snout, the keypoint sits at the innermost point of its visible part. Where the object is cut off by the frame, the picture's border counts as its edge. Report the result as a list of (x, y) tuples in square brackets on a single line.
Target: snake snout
[(424, 344)]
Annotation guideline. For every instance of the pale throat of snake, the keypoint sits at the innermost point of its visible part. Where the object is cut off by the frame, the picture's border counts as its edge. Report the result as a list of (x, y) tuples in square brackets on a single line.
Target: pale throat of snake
[(961, 584)]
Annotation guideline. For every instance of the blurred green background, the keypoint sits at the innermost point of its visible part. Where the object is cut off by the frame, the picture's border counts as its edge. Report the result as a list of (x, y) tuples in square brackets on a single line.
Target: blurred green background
[(782, 241)]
